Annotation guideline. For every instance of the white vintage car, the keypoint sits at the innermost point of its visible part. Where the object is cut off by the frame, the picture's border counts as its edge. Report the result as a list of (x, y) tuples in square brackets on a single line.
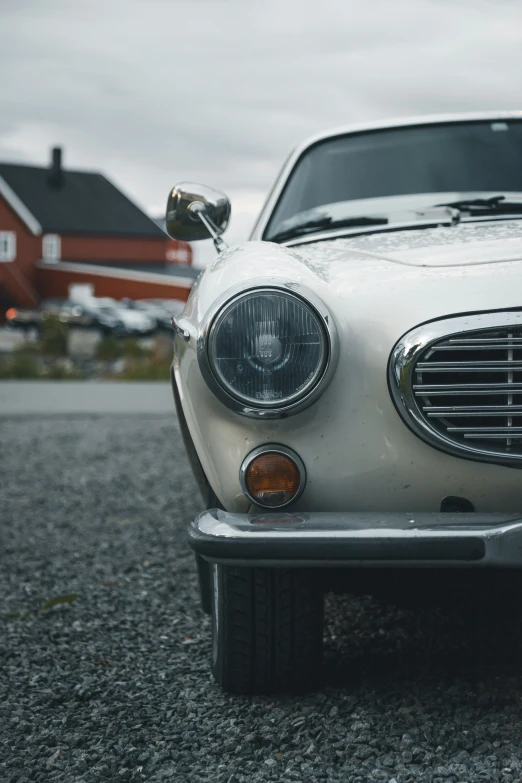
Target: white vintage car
[(349, 381)]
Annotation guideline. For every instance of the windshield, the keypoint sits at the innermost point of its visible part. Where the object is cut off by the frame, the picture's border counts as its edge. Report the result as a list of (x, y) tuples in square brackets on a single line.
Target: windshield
[(455, 158)]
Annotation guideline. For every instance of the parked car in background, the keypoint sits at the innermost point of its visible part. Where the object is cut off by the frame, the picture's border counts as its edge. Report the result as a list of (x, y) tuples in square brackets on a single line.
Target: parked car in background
[(153, 310), (133, 322), (349, 382), (84, 315), (172, 306), (69, 312), (24, 319), (107, 315)]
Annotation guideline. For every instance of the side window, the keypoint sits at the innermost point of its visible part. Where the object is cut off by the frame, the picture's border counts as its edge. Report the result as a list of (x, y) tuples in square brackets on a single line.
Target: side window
[(7, 245), (51, 248)]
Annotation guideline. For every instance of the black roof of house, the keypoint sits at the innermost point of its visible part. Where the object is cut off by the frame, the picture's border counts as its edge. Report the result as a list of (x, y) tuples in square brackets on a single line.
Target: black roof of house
[(77, 202)]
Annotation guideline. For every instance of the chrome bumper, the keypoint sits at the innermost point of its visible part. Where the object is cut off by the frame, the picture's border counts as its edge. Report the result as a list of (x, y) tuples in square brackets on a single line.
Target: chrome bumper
[(358, 539)]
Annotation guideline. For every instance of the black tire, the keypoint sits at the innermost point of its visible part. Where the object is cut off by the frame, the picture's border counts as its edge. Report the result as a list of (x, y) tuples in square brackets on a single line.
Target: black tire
[(204, 581), (267, 629)]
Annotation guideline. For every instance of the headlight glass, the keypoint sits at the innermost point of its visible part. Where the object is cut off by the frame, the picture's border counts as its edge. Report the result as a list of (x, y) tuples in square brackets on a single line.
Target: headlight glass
[(268, 348)]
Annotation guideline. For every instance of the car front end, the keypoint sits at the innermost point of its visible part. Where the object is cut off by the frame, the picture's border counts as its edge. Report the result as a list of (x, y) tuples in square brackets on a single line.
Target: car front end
[(355, 432), (349, 386)]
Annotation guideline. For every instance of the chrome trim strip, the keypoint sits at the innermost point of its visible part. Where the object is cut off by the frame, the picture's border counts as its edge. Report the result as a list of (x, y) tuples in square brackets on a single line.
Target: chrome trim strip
[(405, 393), (463, 387), (478, 345), (468, 392), (486, 341), (498, 430), (292, 289), (484, 435), (488, 366), (470, 410), (277, 449), (443, 413)]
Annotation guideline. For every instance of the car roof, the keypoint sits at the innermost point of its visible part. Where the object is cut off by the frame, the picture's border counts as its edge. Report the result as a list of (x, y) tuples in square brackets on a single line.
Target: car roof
[(398, 122)]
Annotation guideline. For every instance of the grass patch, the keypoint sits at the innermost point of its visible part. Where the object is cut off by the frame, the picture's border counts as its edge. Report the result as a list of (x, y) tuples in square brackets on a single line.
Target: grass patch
[(126, 359), (30, 363), (109, 349), (21, 365), (148, 368), (58, 371)]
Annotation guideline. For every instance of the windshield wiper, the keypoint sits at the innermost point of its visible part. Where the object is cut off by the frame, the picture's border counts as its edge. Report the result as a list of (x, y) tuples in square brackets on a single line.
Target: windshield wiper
[(396, 221), (496, 205), (326, 222)]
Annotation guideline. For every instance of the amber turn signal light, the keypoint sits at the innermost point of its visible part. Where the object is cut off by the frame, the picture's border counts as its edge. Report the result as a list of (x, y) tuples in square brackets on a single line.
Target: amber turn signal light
[(272, 478)]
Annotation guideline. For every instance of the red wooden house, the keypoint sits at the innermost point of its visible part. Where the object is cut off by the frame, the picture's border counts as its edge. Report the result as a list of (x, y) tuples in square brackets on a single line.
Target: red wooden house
[(59, 227)]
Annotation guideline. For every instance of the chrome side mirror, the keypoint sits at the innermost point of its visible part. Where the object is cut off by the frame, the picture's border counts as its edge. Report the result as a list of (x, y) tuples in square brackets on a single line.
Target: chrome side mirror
[(197, 212)]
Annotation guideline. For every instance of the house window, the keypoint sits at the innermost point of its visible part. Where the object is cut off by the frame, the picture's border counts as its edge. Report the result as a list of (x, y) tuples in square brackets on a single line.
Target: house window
[(178, 255), (7, 245), (51, 248)]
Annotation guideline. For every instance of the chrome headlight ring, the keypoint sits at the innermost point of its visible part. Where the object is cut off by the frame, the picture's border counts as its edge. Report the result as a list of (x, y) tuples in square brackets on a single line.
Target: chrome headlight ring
[(298, 401)]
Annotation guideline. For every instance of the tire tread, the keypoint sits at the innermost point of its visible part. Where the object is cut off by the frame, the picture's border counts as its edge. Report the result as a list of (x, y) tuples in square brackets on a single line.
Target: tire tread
[(270, 630)]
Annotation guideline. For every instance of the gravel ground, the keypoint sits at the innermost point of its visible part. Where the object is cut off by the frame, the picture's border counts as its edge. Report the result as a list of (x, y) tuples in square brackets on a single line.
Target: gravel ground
[(115, 686)]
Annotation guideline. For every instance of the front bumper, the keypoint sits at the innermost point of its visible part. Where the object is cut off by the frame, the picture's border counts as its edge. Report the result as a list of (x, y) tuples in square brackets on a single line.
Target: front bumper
[(358, 539)]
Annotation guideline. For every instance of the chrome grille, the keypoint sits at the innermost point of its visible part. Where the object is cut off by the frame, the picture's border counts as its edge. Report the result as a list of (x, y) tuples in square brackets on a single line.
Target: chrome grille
[(459, 386)]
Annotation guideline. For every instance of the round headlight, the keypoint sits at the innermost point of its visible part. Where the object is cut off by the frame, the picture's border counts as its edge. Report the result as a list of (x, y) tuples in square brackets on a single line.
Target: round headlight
[(268, 348)]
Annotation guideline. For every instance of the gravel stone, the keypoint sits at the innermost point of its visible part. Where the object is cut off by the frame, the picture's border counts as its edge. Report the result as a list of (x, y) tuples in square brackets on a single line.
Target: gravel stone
[(116, 686)]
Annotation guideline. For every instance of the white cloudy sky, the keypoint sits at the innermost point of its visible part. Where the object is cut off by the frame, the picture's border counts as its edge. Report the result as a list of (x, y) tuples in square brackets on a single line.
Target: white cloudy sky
[(217, 91)]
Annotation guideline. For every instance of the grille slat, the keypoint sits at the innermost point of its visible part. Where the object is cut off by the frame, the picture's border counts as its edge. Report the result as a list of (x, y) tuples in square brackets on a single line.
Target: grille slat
[(466, 391), (492, 359), (482, 412), (444, 409), (464, 386), (497, 366), (482, 341), (490, 436), (477, 430), (501, 346)]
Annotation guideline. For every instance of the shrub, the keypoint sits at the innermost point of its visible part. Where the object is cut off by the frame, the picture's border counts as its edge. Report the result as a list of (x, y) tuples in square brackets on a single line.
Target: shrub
[(61, 372), (133, 350), (109, 349), (21, 365), (53, 336)]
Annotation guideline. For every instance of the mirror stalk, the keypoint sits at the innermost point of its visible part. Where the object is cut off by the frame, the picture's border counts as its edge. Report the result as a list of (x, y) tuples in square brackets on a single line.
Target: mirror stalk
[(198, 208)]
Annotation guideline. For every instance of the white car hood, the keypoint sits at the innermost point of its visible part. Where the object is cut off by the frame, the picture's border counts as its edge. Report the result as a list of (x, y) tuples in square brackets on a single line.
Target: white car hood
[(402, 277), (464, 244)]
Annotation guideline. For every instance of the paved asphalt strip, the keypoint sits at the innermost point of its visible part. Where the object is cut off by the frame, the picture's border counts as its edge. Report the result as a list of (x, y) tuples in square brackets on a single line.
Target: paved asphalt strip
[(115, 685), (70, 398)]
